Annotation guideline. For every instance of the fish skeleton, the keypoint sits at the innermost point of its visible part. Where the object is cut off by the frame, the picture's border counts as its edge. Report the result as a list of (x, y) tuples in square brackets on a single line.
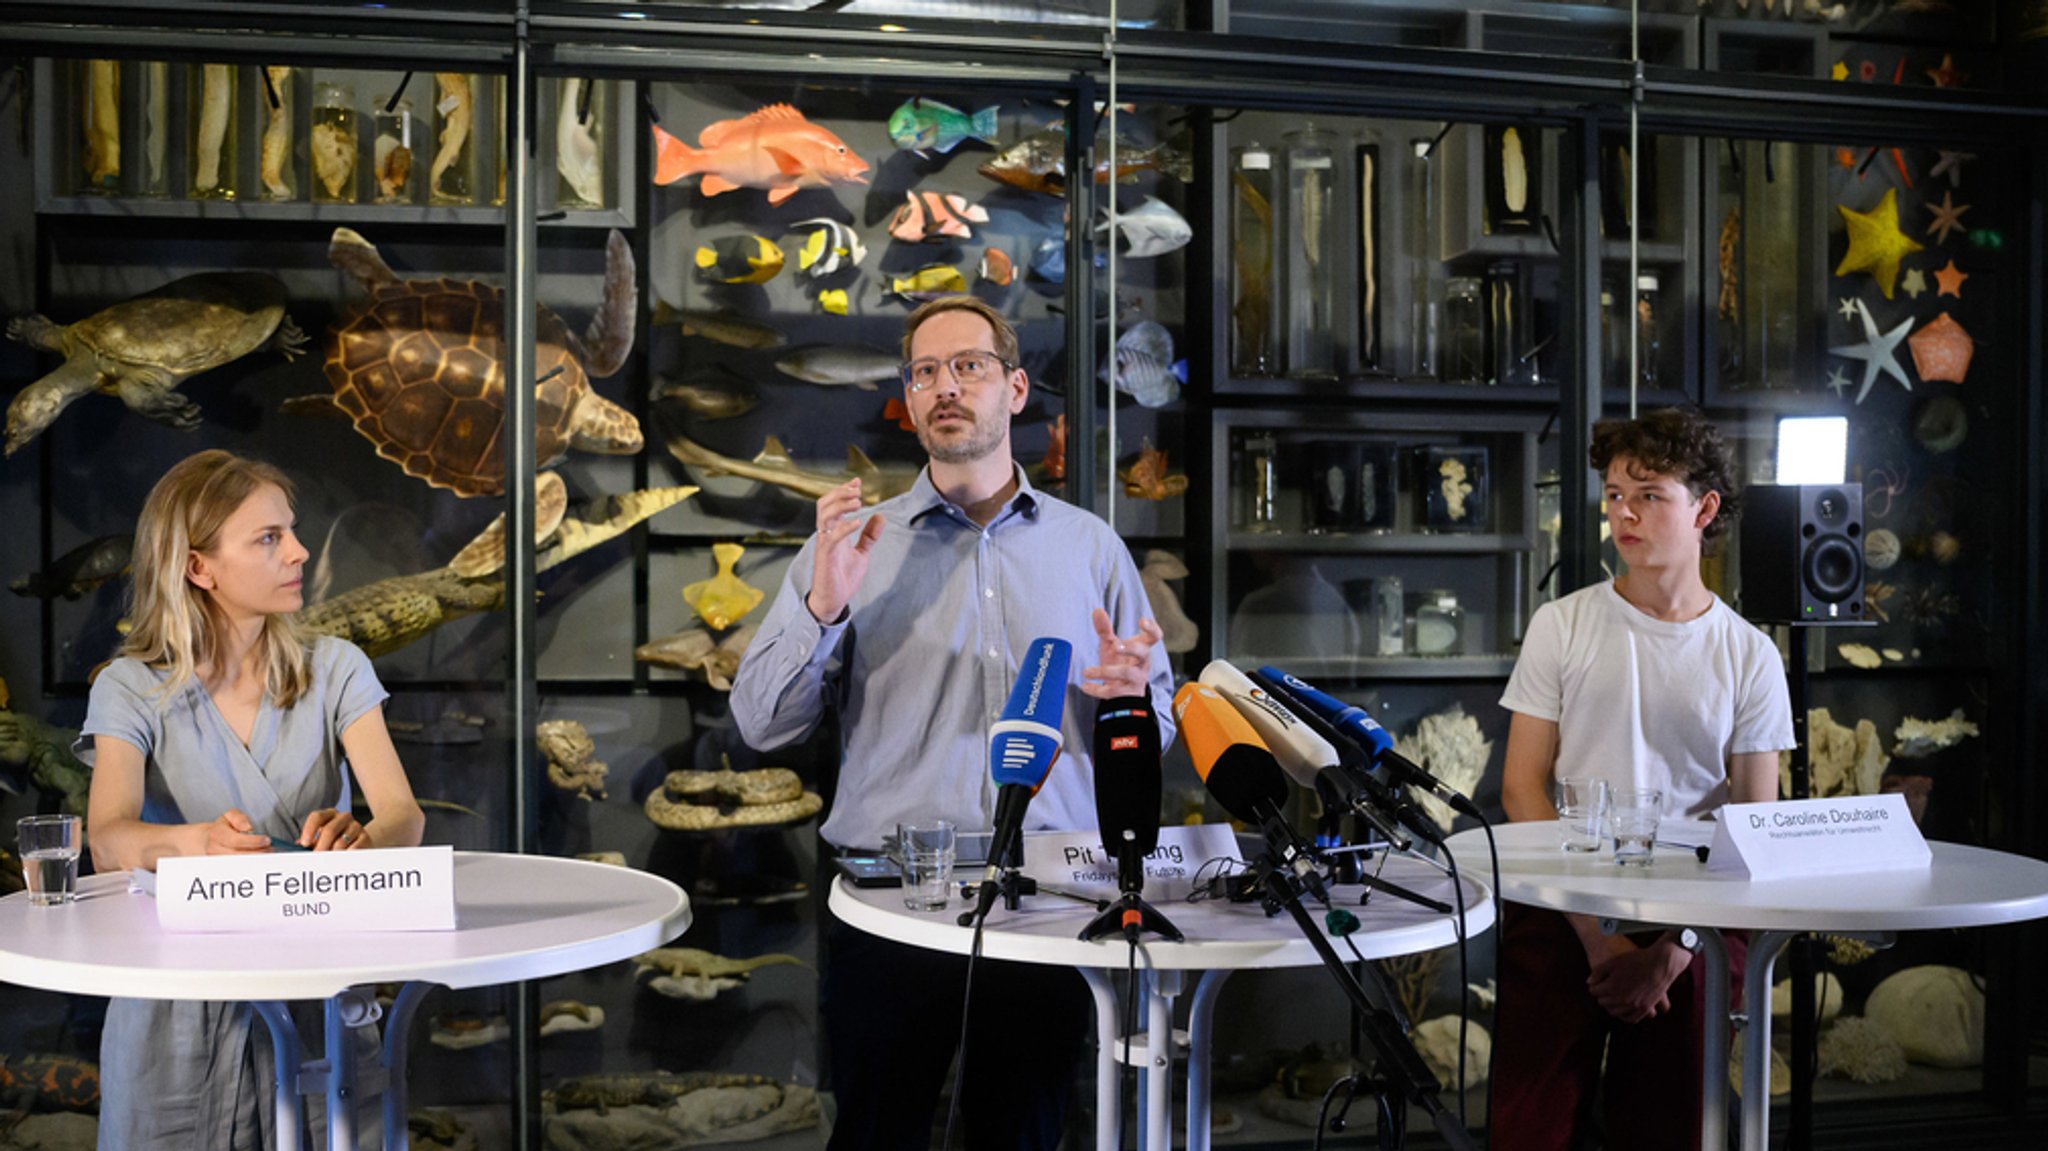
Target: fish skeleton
[(773, 466), (774, 147), (840, 364), (931, 215), (1152, 229), (724, 326), (833, 246), (921, 125)]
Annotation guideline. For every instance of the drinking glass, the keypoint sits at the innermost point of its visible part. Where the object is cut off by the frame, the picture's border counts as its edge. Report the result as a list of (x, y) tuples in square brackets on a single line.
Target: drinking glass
[(1581, 813), (1634, 813), (49, 856), (928, 852)]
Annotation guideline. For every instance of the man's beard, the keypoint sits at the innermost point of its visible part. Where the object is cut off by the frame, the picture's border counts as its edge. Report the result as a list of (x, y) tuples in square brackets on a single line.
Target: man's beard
[(982, 439)]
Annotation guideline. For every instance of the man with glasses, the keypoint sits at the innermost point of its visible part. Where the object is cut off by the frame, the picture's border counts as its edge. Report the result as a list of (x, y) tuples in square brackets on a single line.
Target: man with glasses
[(910, 621)]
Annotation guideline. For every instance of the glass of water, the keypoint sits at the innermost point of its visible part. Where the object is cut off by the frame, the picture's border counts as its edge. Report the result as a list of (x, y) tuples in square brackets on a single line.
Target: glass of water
[(49, 856), (1581, 813), (928, 851), (1633, 813)]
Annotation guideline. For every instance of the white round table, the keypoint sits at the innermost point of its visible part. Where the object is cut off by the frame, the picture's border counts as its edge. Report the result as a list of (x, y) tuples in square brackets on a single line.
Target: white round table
[(1965, 887), (1222, 937), (517, 917)]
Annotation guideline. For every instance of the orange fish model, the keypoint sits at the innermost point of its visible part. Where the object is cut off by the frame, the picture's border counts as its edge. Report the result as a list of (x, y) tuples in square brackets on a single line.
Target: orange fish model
[(773, 148), (1147, 479)]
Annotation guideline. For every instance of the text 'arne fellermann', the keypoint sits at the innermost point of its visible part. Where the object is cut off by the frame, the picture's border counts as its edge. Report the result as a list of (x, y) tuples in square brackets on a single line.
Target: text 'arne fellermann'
[(397, 889)]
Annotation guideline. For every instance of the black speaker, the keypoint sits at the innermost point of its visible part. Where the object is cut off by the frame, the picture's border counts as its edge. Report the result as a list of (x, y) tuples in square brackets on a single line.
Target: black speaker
[(1802, 553)]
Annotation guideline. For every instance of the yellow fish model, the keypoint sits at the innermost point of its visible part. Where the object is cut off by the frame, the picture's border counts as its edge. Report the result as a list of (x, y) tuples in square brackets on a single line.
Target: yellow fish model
[(739, 260)]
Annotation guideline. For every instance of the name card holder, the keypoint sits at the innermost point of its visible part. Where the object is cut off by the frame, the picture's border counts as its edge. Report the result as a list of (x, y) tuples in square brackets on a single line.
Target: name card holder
[(1076, 861), (322, 892), (1799, 838)]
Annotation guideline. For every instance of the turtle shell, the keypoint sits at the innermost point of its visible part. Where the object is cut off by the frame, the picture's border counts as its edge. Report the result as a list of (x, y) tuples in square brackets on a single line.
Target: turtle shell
[(189, 325), (419, 367)]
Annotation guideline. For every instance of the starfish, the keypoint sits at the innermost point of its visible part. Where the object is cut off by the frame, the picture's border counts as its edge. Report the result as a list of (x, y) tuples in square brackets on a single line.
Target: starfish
[(1951, 165), (1951, 280), (1838, 382), (1847, 308), (1914, 283), (1879, 353), (1840, 71), (1942, 350), (1947, 76), (1948, 217), (1875, 243)]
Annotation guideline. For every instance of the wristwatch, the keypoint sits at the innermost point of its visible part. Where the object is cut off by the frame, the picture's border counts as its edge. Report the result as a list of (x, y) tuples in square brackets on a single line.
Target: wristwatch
[(1687, 938)]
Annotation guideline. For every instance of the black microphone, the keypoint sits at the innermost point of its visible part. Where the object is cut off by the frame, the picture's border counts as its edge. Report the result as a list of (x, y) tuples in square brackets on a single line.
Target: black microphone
[(1378, 745), (1127, 785)]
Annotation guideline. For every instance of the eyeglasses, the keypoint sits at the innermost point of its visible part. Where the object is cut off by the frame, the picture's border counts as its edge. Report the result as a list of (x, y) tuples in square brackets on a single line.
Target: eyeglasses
[(968, 368)]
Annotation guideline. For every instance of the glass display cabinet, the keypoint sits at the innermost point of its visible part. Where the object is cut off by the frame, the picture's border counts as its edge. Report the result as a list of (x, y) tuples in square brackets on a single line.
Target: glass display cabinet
[(1323, 343)]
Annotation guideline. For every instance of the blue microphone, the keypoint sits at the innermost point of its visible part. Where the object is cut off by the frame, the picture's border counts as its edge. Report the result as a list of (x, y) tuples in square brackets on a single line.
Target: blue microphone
[(1022, 747), (1372, 739)]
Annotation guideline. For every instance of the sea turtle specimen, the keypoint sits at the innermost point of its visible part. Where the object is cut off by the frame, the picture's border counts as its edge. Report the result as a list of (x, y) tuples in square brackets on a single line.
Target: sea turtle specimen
[(665, 1109), (142, 349), (45, 751), (385, 616), (419, 369), (79, 570)]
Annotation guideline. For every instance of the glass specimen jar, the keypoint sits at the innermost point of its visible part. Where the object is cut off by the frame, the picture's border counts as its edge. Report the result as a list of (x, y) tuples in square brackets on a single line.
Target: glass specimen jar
[(1464, 359), (1439, 624), (210, 144), (451, 178), (1252, 351), (1309, 262), (391, 150), (337, 144)]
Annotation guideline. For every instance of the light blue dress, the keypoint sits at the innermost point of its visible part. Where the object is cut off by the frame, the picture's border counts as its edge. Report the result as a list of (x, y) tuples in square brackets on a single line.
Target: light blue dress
[(183, 1073)]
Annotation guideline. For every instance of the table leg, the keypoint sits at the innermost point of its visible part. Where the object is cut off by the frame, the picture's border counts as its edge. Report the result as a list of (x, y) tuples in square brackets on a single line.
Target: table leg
[(1714, 1024), (1163, 987), (1201, 1026), (290, 1118), (397, 1024), (1108, 1069), (1756, 1039), (341, 1078)]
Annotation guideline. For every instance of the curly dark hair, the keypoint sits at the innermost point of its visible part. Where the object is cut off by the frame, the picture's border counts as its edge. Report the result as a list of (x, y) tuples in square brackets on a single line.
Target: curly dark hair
[(1675, 442)]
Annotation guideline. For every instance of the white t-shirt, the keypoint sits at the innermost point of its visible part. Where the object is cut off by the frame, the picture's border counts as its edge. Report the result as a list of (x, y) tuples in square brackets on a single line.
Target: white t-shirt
[(1646, 702)]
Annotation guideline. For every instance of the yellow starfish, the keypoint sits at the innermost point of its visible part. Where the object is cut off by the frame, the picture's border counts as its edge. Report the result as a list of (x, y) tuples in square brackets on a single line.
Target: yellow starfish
[(1875, 243)]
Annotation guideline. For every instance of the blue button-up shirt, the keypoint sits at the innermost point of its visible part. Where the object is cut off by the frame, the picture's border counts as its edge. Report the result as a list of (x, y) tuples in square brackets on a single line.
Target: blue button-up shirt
[(923, 659)]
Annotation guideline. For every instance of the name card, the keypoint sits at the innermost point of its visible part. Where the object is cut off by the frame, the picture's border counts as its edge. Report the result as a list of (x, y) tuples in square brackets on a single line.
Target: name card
[(1796, 838), (386, 889), (1075, 860)]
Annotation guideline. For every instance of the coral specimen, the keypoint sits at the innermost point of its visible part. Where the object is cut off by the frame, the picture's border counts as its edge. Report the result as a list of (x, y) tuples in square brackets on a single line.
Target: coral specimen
[(1855, 1048), (1916, 738), (1448, 745)]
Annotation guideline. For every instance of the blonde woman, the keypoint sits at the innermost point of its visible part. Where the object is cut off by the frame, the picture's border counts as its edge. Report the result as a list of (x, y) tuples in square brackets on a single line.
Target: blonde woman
[(217, 729)]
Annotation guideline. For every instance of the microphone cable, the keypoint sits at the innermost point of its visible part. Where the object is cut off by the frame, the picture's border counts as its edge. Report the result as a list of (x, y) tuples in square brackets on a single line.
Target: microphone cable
[(960, 1051), (1127, 1084)]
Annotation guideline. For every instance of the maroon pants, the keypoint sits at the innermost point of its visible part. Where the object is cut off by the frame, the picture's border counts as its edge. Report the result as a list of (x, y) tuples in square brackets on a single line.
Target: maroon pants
[(1550, 1036)]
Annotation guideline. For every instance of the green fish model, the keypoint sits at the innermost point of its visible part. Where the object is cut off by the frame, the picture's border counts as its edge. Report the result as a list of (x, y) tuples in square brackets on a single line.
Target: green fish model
[(922, 125)]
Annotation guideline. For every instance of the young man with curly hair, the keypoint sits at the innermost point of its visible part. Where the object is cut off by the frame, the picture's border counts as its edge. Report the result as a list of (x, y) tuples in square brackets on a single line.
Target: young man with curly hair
[(1647, 680)]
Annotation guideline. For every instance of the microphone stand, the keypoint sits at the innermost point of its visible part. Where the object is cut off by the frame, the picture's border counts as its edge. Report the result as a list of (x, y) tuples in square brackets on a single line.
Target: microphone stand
[(1130, 914), (1400, 1075), (1328, 793)]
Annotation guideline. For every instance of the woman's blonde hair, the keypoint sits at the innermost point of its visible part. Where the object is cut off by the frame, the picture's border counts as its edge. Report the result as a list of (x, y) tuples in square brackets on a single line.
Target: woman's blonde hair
[(176, 623)]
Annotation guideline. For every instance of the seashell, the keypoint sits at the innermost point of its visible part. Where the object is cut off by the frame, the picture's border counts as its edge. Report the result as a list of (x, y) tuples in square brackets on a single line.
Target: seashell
[(1944, 548), (1942, 424), (1880, 549)]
